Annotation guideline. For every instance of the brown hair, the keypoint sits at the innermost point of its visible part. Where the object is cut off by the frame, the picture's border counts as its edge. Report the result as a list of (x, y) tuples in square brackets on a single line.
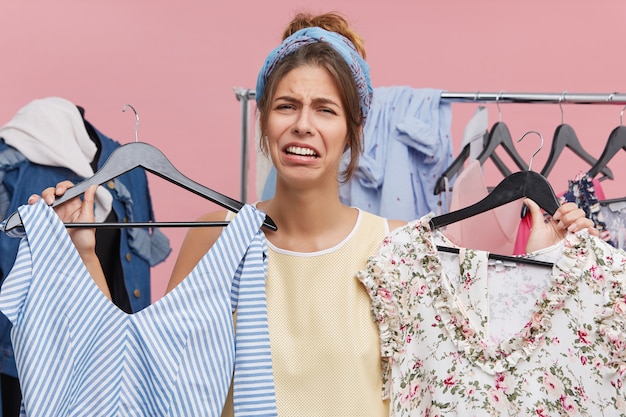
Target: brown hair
[(321, 54), (332, 22)]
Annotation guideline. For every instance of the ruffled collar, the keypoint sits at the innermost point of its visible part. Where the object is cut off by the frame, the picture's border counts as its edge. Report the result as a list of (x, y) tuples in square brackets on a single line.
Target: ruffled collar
[(472, 342), (385, 281)]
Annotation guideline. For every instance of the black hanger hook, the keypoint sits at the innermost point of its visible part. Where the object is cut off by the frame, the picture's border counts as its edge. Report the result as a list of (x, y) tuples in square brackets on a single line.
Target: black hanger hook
[(530, 163), (136, 119)]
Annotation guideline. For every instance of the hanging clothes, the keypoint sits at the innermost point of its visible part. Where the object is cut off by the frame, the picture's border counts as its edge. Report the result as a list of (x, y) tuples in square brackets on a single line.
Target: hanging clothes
[(407, 146), (78, 354), (50, 131), (562, 352), (129, 254), (494, 230), (585, 192), (475, 131), (613, 216)]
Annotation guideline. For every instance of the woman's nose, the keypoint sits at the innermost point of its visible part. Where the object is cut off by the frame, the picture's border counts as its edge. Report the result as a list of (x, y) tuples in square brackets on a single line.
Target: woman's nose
[(303, 124)]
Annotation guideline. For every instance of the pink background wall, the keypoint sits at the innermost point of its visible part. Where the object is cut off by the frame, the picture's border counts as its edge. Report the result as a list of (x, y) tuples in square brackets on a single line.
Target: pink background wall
[(177, 64)]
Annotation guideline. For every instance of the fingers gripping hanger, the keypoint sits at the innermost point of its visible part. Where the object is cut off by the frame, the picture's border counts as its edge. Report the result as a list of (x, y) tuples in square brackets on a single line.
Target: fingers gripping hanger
[(139, 154), (564, 136), (615, 142), (520, 184), (459, 161)]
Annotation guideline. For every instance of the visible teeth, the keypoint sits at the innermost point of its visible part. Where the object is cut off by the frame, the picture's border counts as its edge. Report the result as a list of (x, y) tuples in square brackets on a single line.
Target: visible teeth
[(301, 151)]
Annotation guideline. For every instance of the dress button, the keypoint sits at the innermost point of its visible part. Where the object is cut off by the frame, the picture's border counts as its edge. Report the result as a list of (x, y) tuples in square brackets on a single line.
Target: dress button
[(125, 219), (111, 184), (128, 256), (137, 293)]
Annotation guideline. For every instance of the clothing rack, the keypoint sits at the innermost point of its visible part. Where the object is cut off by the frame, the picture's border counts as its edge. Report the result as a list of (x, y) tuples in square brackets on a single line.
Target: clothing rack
[(244, 95)]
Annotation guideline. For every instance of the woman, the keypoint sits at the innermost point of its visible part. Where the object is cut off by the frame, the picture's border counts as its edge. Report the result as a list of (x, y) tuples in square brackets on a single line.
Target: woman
[(313, 95)]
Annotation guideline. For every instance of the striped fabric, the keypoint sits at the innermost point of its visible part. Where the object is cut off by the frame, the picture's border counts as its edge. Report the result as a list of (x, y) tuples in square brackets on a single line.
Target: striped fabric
[(79, 355)]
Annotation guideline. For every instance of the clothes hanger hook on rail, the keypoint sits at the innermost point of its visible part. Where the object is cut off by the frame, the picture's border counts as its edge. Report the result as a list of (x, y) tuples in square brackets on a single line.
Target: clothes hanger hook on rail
[(530, 163), (136, 119), (610, 97), (476, 97), (498, 105), (621, 114), (561, 99)]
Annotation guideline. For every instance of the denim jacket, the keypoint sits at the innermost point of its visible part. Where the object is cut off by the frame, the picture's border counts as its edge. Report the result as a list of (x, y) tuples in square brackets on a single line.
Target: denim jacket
[(139, 248)]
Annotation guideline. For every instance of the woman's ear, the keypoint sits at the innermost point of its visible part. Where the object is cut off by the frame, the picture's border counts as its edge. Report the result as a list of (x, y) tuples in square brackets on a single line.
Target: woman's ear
[(264, 144), (346, 148), (360, 138)]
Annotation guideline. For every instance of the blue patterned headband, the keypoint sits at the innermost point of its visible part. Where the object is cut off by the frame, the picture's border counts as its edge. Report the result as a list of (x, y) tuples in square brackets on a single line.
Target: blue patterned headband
[(360, 69)]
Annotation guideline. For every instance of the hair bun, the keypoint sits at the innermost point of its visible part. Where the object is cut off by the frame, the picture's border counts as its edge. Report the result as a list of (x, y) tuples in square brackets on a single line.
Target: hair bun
[(332, 22)]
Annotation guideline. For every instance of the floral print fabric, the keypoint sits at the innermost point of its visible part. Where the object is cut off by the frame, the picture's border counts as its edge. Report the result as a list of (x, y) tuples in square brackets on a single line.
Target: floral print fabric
[(568, 357), (582, 191)]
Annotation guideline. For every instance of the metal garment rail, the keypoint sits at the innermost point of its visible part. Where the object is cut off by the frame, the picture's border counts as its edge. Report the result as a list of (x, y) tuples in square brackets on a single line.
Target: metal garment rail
[(244, 95)]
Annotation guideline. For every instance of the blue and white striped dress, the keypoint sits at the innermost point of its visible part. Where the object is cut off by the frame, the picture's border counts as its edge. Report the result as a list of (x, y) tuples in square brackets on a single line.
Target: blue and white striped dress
[(79, 355)]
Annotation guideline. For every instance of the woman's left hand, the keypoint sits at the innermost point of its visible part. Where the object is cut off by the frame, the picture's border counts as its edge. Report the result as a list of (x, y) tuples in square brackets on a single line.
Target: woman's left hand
[(568, 217)]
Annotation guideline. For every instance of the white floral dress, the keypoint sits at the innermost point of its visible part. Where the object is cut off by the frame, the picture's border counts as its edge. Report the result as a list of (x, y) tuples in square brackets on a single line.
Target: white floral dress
[(458, 343)]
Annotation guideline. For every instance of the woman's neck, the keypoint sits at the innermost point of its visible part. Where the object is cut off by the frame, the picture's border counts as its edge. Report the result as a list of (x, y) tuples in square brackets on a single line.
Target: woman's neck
[(308, 221)]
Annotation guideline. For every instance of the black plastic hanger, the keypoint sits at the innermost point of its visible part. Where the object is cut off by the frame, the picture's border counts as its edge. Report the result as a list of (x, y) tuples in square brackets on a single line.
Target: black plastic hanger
[(565, 137), (452, 169), (501, 257), (459, 161), (520, 184), (616, 142), (139, 154), (517, 185), (611, 201), (499, 135)]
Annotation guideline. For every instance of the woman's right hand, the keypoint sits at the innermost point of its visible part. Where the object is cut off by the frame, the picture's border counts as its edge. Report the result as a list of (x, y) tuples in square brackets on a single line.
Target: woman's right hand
[(76, 210), (73, 211)]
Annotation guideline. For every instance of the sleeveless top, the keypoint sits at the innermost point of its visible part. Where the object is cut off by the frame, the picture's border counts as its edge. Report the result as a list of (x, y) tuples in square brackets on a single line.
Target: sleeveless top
[(324, 342), (80, 355)]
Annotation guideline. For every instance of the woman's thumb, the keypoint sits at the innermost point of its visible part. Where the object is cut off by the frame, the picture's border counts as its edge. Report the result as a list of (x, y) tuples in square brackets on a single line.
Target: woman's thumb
[(536, 214), (87, 209)]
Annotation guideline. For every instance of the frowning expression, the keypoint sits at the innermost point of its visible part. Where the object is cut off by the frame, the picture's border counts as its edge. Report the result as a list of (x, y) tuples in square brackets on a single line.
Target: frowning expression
[(306, 127)]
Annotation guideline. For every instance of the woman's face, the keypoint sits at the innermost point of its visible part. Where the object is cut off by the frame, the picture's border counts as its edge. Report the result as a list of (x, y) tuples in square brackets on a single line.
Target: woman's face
[(306, 126)]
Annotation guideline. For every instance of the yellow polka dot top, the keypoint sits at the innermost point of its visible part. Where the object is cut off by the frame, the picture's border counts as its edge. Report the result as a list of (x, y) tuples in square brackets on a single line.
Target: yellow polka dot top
[(324, 342)]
